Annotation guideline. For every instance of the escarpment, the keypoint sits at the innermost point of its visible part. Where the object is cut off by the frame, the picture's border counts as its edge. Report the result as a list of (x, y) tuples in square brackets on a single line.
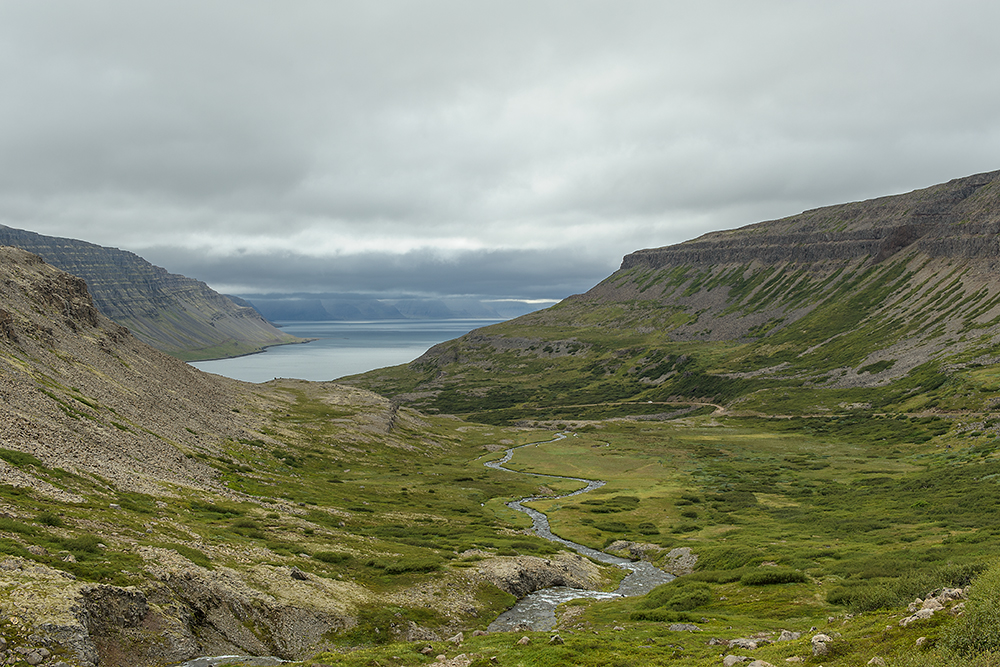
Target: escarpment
[(957, 219), (173, 313)]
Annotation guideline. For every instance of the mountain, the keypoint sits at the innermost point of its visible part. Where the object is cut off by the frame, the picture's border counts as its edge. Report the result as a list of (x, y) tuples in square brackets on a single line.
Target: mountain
[(355, 307), (151, 513), (175, 314), (860, 303), (319, 309)]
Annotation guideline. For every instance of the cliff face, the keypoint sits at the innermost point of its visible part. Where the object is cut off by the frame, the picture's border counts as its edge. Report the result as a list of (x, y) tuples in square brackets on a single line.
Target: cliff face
[(906, 252), (958, 219), (175, 314)]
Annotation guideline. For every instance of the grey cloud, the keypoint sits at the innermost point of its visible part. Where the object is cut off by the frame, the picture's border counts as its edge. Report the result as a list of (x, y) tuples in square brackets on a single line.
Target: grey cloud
[(485, 274), (601, 126)]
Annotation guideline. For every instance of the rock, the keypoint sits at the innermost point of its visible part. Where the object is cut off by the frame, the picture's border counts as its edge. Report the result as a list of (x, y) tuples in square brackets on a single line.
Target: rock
[(795, 658), (683, 627), (760, 663), (441, 657), (427, 650), (457, 639), (958, 609), (877, 662), (37, 550), (933, 604), (416, 633), (680, 561), (555, 640), (949, 594), (34, 658), (715, 641), (523, 641), (299, 574), (744, 643), (819, 644), (731, 660), (921, 641), (787, 636), (922, 614), (479, 633)]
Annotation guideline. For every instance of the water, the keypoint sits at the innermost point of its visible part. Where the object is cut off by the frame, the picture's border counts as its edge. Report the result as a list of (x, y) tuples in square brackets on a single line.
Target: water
[(342, 348), (537, 610)]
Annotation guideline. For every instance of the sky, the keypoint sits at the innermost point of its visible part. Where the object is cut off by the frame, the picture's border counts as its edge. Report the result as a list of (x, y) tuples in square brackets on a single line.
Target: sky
[(515, 149)]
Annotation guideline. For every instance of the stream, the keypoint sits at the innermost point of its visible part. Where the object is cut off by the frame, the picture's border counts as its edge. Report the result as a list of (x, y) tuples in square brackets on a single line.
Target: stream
[(537, 610)]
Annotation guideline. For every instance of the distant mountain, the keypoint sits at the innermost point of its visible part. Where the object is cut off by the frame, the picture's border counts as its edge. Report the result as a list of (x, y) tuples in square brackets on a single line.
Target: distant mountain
[(891, 303), (175, 314), (347, 307)]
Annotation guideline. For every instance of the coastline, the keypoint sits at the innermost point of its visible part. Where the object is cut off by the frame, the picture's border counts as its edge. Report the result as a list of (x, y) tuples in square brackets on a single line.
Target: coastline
[(265, 348)]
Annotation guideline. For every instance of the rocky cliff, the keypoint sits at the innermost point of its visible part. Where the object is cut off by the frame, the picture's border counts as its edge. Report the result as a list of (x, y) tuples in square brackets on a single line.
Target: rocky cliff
[(175, 314)]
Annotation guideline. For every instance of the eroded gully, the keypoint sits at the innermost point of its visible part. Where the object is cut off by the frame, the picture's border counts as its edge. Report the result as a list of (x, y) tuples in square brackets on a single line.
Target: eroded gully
[(537, 610)]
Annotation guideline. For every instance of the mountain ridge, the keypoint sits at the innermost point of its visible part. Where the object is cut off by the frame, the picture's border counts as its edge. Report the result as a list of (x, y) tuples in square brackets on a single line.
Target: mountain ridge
[(853, 296), (173, 313)]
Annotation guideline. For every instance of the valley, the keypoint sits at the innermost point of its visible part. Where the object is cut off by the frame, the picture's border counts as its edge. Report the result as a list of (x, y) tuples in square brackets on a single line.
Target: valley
[(810, 445)]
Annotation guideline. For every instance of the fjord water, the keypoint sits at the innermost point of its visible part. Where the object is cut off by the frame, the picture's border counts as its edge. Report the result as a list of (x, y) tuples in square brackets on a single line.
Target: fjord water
[(342, 348)]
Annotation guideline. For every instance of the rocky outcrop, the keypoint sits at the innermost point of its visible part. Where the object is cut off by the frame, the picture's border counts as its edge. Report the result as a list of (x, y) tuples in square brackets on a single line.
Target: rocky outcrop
[(520, 575), (182, 614), (173, 313)]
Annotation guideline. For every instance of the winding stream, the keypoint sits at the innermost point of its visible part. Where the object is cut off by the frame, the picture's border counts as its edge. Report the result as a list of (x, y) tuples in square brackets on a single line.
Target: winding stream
[(537, 610)]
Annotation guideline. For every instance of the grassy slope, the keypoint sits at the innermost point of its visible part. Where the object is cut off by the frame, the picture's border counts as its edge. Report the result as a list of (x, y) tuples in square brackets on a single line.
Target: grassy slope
[(867, 526), (900, 336), (384, 512)]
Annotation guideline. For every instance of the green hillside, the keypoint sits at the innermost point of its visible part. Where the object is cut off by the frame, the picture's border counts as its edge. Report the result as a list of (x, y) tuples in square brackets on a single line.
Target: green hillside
[(891, 305)]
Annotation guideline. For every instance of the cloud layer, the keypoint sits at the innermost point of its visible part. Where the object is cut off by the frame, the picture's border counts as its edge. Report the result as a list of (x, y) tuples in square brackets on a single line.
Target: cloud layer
[(513, 149)]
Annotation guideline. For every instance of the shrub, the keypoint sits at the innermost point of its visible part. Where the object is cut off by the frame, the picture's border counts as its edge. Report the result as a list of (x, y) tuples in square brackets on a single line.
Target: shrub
[(331, 556), (84, 543), (19, 459), (678, 595), (729, 558), (772, 575), (978, 631)]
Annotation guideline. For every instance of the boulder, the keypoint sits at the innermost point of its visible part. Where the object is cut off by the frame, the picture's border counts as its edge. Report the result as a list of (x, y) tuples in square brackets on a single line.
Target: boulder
[(683, 627), (820, 644), (922, 614), (731, 660), (787, 636)]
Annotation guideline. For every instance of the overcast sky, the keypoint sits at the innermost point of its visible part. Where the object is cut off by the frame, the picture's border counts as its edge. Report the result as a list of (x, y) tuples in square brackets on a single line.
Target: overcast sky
[(506, 148)]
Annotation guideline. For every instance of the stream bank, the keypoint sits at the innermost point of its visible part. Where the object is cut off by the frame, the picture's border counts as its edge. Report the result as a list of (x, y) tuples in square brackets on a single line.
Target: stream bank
[(536, 611)]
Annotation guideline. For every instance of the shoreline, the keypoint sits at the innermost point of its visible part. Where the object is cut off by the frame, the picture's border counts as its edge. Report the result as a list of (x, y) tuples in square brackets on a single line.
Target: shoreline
[(300, 341)]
